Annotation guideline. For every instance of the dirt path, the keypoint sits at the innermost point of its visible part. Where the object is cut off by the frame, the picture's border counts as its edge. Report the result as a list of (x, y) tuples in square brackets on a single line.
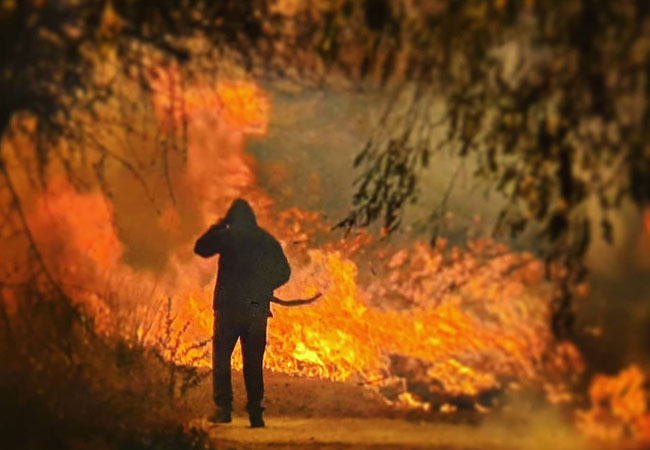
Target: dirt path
[(311, 433), (317, 414)]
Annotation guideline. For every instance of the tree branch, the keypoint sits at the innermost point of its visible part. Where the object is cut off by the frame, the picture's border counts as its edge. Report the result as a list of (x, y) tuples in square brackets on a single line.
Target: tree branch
[(15, 199)]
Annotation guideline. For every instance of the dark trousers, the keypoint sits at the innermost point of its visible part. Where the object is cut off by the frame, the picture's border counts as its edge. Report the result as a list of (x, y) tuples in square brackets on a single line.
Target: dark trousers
[(251, 329)]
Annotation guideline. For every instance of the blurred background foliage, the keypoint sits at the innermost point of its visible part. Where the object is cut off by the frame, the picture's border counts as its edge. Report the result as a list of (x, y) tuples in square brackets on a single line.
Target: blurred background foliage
[(546, 99), (544, 102)]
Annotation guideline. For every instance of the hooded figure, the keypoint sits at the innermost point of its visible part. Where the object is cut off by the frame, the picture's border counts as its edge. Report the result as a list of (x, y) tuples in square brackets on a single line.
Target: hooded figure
[(251, 265)]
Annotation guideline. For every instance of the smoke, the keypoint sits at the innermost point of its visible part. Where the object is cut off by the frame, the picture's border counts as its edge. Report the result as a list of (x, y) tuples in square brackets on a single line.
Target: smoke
[(615, 318), (306, 161), (133, 238), (529, 422)]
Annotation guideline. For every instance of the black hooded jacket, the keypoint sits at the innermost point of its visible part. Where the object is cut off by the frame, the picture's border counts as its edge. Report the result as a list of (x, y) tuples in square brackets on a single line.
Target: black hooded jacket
[(252, 263)]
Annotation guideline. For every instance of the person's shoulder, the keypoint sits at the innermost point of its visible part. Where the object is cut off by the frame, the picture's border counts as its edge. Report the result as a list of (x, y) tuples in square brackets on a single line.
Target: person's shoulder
[(267, 236), (266, 233)]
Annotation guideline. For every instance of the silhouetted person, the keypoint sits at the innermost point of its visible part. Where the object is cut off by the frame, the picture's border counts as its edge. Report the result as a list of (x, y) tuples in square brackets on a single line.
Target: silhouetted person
[(251, 265)]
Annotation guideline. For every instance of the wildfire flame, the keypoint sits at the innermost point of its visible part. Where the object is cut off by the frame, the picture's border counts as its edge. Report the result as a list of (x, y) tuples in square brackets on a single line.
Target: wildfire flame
[(242, 106), (459, 322), (620, 407)]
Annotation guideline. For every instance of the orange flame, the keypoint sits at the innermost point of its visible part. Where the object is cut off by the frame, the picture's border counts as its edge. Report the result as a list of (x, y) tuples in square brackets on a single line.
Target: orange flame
[(459, 321), (619, 407), (85, 220), (241, 105)]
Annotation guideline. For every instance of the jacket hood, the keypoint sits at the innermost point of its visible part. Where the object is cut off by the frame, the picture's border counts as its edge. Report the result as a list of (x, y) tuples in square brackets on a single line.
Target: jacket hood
[(241, 214)]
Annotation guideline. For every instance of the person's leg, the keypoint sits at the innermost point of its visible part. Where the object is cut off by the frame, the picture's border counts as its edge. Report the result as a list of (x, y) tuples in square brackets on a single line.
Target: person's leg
[(253, 347), (223, 343)]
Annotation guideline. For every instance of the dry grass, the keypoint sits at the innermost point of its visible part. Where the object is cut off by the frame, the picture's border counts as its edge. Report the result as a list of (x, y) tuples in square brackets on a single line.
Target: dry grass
[(64, 386)]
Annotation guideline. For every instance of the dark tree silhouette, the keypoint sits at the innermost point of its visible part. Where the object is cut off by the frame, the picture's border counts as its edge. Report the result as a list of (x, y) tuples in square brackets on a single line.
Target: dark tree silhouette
[(63, 61), (548, 98)]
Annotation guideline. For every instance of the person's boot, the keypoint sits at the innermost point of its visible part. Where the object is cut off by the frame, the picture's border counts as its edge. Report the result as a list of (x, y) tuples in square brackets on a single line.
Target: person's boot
[(222, 415), (256, 419)]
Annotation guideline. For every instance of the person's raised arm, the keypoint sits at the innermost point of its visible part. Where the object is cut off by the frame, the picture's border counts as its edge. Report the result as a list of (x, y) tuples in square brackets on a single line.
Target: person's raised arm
[(212, 241)]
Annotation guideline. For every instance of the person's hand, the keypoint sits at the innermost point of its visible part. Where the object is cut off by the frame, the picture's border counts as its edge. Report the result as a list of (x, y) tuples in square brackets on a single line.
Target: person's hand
[(221, 224)]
